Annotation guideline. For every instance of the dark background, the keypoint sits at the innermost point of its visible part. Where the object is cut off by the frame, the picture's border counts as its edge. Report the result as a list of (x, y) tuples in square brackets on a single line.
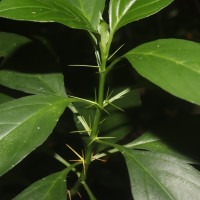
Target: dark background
[(159, 110)]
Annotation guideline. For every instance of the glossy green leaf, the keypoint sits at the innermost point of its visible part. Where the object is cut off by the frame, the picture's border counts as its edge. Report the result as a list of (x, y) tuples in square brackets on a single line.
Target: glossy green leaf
[(25, 123), (52, 83), (172, 64), (49, 188), (122, 12), (92, 10), (81, 14), (9, 43), (155, 175)]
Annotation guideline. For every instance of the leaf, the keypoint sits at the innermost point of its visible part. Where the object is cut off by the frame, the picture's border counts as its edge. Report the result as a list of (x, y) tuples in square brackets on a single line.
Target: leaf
[(4, 98), (172, 64), (81, 14), (155, 175), (52, 83), (49, 188), (122, 12), (151, 142), (92, 10), (26, 123), (10, 42), (179, 136), (156, 171)]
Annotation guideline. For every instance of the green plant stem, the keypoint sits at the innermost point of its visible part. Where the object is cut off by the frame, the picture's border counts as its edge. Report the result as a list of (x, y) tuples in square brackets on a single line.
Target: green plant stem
[(95, 126), (93, 136), (97, 118), (87, 189)]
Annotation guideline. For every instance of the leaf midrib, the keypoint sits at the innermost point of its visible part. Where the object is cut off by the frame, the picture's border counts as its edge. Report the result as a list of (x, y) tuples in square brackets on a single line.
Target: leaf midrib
[(46, 193), (52, 9), (31, 116), (149, 173), (21, 124), (117, 23), (114, 27), (146, 5), (142, 142), (166, 58)]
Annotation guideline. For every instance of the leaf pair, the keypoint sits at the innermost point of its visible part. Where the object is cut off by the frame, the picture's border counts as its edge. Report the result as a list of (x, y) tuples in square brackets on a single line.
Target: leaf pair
[(179, 71), (81, 14)]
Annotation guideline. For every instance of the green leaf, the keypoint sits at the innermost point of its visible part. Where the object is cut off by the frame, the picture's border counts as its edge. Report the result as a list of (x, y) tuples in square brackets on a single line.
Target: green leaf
[(26, 123), (92, 10), (81, 14), (49, 188), (122, 12), (151, 142), (52, 83), (10, 42), (157, 171), (155, 175), (172, 64), (4, 98)]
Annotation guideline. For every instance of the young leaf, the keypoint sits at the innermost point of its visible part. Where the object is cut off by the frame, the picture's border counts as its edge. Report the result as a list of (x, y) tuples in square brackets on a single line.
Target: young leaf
[(49, 188), (172, 64), (25, 123), (155, 175), (122, 12), (81, 14), (51, 83)]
